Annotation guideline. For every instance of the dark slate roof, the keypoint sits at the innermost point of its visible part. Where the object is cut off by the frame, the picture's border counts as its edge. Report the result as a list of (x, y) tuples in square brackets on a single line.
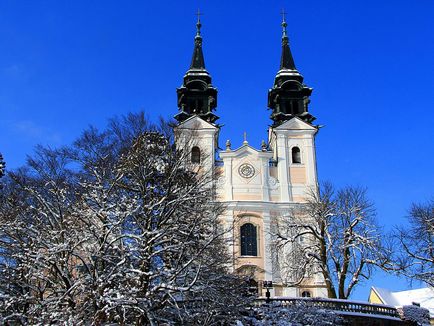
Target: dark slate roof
[(198, 62), (286, 61)]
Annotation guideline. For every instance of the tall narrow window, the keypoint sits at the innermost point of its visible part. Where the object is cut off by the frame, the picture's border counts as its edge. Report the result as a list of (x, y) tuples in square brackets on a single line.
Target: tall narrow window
[(195, 155), (296, 155), (249, 246)]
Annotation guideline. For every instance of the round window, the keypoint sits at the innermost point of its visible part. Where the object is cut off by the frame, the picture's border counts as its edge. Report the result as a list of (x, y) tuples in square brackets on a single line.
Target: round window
[(246, 170)]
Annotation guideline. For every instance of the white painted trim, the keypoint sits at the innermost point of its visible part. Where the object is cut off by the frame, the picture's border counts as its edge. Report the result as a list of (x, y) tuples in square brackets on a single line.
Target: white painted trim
[(268, 265)]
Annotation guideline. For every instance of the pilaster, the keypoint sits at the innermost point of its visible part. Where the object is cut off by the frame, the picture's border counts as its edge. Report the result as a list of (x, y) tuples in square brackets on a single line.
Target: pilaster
[(282, 167), (268, 265), (265, 177), (229, 192)]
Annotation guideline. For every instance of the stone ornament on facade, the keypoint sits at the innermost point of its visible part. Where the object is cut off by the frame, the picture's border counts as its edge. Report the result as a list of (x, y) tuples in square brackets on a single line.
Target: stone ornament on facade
[(273, 183), (246, 170), (221, 181)]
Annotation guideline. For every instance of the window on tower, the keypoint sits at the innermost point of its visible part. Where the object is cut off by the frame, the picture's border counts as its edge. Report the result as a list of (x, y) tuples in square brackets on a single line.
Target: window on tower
[(195, 155), (296, 155), (249, 245)]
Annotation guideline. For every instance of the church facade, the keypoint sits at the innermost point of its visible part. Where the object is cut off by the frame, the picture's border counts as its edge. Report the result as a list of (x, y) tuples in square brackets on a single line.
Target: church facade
[(258, 186)]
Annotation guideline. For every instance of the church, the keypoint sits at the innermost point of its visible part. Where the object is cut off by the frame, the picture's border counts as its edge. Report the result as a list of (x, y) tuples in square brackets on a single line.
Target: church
[(258, 186)]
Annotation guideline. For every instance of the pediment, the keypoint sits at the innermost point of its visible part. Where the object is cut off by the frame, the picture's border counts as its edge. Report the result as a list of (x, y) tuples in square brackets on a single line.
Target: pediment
[(246, 151), (296, 124), (196, 122)]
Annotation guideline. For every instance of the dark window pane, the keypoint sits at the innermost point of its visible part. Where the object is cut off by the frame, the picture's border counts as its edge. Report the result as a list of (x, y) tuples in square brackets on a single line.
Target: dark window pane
[(296, 155), (195, 155), (249, 245)]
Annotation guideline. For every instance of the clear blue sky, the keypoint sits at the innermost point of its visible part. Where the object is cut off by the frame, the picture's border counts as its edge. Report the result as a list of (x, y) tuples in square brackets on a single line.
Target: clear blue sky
[(67, 64)]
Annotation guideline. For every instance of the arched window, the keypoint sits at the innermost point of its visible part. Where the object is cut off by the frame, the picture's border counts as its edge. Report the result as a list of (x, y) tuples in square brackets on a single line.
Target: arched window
[(195, 155), (296, 155), (249, 246), (306, 294)]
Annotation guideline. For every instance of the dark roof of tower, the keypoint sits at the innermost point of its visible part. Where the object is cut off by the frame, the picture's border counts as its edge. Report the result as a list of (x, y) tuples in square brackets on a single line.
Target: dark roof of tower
[(197, 95), (287, 70), (286, 60), (289, 96), (197, 61)]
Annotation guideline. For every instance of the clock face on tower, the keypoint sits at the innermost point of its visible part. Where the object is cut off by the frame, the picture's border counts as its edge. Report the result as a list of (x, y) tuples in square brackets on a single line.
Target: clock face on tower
[(246, 170)]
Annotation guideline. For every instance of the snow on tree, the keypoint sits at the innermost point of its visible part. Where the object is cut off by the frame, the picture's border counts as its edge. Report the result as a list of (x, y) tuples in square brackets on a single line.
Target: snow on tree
[(38, 238), (117, 228), (334, 235), (417, 244), (2, 166)]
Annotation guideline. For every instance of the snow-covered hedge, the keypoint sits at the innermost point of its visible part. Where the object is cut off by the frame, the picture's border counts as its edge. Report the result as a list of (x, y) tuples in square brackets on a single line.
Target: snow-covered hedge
[(300, 314), (415, 314)]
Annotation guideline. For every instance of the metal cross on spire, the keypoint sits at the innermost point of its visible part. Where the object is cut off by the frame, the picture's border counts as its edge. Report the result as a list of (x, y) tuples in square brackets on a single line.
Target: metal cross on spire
[(198, 24), (283, 13), (284, 24), (198, 14)]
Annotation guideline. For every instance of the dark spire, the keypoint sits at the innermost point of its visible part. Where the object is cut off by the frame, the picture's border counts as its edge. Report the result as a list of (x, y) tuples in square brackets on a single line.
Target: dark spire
[(197, 62), (289, 97), (197, 96), (286, 60)]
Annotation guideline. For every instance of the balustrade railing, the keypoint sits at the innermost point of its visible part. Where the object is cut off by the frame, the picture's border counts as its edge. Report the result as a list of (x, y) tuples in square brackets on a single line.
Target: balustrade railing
[(346, 306)]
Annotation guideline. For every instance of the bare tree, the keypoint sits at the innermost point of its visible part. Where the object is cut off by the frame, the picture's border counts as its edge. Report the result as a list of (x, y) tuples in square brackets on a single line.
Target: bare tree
[(38, 238), (115, 229), (417, 244), (334, 235)]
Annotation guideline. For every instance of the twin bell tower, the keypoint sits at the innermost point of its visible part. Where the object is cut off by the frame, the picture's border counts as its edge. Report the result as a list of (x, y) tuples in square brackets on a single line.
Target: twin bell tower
[(257, 186)]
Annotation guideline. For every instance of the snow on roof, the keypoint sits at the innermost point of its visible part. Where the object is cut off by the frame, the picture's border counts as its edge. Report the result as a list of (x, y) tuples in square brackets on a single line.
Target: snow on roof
[(386, 296), (423, 296)]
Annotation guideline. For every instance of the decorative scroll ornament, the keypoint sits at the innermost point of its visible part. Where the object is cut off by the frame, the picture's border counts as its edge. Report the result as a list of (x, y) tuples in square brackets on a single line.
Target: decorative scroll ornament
[(273, 183), (221, 181)]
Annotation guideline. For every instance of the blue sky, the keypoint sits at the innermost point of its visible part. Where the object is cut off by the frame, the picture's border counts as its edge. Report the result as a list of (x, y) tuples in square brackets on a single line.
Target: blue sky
[(67, 64)]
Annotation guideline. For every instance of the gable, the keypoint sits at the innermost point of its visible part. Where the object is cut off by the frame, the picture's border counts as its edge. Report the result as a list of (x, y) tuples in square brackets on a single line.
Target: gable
[(374, 297), (195, 122), (246, 151), (296, 124)]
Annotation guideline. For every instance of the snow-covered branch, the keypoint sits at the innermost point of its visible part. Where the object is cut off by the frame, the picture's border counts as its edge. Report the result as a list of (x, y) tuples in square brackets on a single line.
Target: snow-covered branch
[(334, 234)]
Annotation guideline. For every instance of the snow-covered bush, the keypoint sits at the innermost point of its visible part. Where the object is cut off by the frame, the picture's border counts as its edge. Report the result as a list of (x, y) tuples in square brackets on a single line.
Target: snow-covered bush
[(415, 314), (298, 314)]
